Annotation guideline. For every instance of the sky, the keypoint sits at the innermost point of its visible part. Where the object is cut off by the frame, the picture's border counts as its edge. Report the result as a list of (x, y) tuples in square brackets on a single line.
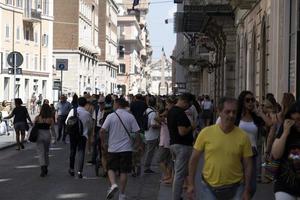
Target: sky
[(161, 34)]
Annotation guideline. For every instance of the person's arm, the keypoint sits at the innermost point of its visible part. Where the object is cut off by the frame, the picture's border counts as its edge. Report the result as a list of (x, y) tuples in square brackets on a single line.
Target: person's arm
[(270, 140), (279, 143), (193, 163), (28, 117), (247, 163), (102, 137)]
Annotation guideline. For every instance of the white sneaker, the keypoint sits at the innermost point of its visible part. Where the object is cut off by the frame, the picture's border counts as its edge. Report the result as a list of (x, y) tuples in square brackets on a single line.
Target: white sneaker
[(111, 191), (122, 197)]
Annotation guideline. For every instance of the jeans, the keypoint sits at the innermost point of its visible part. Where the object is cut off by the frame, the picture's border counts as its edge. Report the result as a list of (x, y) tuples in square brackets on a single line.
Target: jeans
[(77, 144), (43, 145), (151, 145), (61, 119), (253, 176), (285, 196), (181, 155), (96, 145), (207, 194)]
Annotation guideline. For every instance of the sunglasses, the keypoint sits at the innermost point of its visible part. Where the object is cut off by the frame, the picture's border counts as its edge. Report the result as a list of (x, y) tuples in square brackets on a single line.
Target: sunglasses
[(248, 100)]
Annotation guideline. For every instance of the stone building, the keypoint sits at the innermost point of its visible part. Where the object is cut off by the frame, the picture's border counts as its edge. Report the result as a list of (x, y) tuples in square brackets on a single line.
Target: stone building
[(108, 42), (159, 77), (76, 33), (134, 47), (237, 45), (26, 27)]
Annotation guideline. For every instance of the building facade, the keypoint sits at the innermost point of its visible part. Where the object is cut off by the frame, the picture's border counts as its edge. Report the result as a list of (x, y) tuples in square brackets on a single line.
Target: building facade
[(159, 77), (76, 34), (238, 45), (134, 47), (108, 42), (26, 27)]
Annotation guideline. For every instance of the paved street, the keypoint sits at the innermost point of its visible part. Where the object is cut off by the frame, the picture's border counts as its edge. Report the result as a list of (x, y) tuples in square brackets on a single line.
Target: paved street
[(19, 179)]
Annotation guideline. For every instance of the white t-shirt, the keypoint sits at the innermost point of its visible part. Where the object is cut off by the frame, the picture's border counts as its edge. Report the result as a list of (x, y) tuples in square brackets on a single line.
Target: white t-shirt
[(207, 105), (152, 133), (118, 140), (85, 117), (251, 129)]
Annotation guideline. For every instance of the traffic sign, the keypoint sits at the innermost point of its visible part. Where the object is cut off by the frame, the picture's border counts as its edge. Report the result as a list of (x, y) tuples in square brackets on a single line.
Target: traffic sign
[(56, 85), (62, 64), (19, 71), (11, 59), (10, 70)]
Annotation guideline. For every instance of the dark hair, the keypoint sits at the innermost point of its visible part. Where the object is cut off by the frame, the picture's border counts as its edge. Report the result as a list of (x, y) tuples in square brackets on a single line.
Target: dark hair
[(46, 111), (18, 102), (152, 101), (185, 97), (3, 103), (241, 100), (224, 100), (82, 101), (294, 108), (122, 102), (108, 99)]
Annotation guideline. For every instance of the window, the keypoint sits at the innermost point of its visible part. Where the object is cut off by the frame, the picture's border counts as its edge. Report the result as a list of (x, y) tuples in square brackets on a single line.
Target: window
[(121, 51), (45, 40), (45, 63), (122, 68), (36, 37), (6, 88), (8, 2), (46, 7), (35, 62), (18, 33), (38, 4), (5, 60), (7, 31), (20, 3), (27, 60)]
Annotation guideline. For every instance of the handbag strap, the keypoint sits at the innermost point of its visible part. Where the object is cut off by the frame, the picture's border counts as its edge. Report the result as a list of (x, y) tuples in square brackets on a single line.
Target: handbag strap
[(123, 125)]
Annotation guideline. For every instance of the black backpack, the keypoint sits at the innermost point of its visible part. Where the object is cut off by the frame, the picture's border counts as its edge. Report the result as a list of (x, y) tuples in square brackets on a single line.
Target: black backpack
[(144, 121), (74, 125)]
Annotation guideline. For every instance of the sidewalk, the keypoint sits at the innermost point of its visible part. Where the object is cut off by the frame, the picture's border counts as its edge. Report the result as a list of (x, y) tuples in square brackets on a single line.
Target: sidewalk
[(7, 141)]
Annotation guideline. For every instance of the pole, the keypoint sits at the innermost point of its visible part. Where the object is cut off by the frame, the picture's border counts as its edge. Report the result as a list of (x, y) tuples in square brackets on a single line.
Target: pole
[(61, 82), (15, 67)]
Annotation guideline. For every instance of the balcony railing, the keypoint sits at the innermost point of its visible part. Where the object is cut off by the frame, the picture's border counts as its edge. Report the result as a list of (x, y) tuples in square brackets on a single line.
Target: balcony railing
[(32, 15), (243, 4)]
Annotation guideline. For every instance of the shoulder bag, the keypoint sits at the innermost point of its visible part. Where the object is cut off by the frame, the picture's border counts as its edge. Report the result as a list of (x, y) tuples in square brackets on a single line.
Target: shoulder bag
[(134, 137)]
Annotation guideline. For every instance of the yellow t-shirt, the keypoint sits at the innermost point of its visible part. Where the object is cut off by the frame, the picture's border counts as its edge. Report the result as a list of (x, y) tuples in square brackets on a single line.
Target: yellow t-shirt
[(223, 154)]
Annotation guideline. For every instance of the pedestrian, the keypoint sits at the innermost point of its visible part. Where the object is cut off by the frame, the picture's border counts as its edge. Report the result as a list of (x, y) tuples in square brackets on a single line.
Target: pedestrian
[(151, 135), (138, 107), (165, 157), (4, 110), (222, 179), (252, 120), (44, 122), (78, 140), (207, 108), (286, 149), (119, 158), (63, 108), (97, 154), (33, 103), (181, 141), (20, 114)]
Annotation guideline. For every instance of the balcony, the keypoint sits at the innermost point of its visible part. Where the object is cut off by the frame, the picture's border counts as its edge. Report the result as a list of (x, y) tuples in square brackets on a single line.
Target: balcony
[(243, 4), (33, 15), (195, 18)]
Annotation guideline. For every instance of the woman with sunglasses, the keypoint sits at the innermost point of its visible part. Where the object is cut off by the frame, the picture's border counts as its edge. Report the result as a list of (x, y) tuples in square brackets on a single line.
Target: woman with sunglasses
[(251, 120), (286, 148)]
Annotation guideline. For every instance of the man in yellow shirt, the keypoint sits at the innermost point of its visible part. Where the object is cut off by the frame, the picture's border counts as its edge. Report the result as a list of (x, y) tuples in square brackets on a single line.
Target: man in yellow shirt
[(227, 159)]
